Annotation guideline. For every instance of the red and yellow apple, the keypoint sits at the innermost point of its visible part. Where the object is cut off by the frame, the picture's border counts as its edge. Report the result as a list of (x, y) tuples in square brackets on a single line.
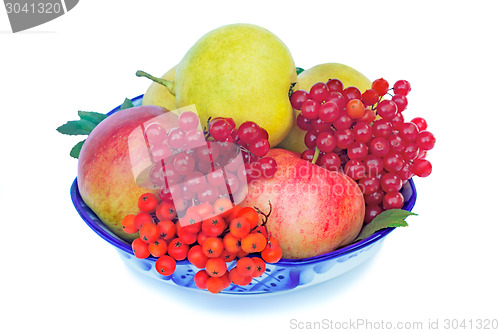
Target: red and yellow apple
[(106, 179), (314, 211)]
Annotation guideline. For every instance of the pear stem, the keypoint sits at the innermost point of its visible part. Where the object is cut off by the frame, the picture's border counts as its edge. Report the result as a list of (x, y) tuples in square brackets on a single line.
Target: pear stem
[(166, 83), (316, 155)]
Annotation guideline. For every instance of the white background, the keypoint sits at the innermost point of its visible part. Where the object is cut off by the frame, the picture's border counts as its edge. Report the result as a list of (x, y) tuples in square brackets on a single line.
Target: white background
[(57, 275)]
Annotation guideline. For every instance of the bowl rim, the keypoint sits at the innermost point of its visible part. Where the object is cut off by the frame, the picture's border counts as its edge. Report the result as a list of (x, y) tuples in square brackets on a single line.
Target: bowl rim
[(124, 246)]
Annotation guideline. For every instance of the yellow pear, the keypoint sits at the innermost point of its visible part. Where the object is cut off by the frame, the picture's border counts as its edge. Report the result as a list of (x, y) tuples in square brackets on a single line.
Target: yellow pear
[(241, 71), (321, 73), (158, 94)]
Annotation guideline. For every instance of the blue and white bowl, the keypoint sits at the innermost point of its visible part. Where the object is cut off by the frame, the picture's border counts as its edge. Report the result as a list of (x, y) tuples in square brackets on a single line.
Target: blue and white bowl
[(287, 274)]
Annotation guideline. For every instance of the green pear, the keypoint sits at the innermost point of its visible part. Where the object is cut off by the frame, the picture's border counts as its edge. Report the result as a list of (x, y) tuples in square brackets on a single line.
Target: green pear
[(241, 71), (321, 73)]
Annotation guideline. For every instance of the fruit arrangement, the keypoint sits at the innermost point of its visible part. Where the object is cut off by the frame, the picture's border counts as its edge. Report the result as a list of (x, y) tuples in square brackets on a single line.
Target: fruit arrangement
[(234, 128)]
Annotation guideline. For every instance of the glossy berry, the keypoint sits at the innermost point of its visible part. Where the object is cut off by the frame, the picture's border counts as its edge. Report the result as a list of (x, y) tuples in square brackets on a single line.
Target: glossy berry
[(215, 285), (368, 117), (343, 121), (326, 141), (422, 167), (355, 169), (425, 140), (196, 256), (188, 120), (216, 267), (260, 267), (337, 98), (370, 97), (213, 247), (420, 122), (128, 224), (310, 109), (167, 230), (329, 161), (253, 242), (249, 132), (246, 266), (391, 182), (149, 232), (335, 85), (382, 128), (409, 132), (329, 112), (165, 265), (355, 108), (401, 101), (177, 249), (272, 253), (393, 200), (393, 162), (381, 86), (299, 97), (142, 218), (147, 202), (379, 146), (402, 87), (374, 165), (350, 93), (357, 151), (239, 227), (200, 279), (318, 92), (155, 134), (260, 147), (166, 211), (231, 243), (268, 167), (387, 109), (158, 248), (344, 138), (140, 248), (369, 184), (362, 132)]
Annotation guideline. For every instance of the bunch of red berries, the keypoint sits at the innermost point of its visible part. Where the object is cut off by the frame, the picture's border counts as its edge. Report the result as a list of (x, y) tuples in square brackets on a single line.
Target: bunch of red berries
[(226, 233), (253, 141), (191, 166), (365, 136)]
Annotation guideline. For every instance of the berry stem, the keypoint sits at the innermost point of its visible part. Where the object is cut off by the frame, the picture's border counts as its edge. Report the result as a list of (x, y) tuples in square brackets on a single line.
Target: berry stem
[(169, 84), (266, 216), (316, 155)]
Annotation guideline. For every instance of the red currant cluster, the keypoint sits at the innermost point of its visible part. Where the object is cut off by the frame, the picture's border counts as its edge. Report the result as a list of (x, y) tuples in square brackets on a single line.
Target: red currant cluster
[(192, 166), (365, 136), (253, 141), (226, 233)]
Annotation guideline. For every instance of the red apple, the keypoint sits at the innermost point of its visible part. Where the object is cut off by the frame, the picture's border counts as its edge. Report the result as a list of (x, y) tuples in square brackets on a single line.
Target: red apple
[(314, 211), (106, 178)]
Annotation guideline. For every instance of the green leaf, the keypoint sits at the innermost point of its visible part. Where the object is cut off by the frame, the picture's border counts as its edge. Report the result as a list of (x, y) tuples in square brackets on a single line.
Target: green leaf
[(386, 219), (75, 151), (77, 127), (94, 117), (127, 104), (299, 70)]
